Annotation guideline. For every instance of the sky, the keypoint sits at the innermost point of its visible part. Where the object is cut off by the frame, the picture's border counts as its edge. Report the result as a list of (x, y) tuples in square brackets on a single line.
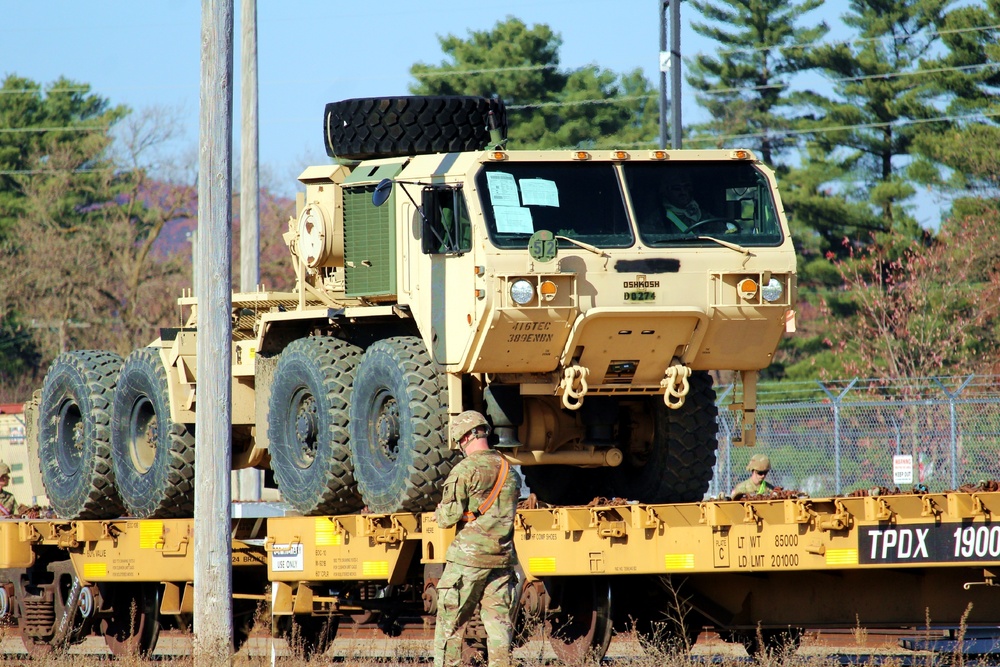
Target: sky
[(310, 52)]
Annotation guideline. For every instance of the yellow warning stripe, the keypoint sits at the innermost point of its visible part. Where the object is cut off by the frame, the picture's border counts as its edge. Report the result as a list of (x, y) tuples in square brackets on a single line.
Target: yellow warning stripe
[(93, 571), (542, 565), (327, 534), (841, 556), (150, 534), (375, 568), (678, 561)]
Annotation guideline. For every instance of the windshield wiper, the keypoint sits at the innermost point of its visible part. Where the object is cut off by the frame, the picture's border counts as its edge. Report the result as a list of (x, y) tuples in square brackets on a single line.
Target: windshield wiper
[(585, 246), (732, 246)]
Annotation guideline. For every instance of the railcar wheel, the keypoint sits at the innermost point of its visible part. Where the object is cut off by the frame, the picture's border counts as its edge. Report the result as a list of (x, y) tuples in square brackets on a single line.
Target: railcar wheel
[(309, 411), (74, 438), (398, 420), (153, 455), (676, 465), (57, 609), (579, 619), (133, 627)]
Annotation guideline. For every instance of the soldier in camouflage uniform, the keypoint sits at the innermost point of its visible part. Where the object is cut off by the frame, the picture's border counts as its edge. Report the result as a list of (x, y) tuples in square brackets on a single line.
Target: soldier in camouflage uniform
[(757, 485), (8, 505), (480, 497)]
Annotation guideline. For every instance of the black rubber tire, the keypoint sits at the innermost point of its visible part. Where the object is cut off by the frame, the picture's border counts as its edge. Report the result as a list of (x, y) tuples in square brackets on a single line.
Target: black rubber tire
[(678, 467), (373, 127), (74, 435), (398, 423), (153, 456), (308, 415)]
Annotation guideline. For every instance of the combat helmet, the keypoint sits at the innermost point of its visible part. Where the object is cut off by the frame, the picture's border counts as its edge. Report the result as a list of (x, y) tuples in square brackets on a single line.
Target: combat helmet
[(465, 422), (759, 462)]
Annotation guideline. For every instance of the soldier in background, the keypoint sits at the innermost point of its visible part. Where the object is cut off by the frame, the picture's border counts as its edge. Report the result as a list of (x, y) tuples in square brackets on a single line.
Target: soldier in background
[(480, 497), (8, 505), (757, 485)]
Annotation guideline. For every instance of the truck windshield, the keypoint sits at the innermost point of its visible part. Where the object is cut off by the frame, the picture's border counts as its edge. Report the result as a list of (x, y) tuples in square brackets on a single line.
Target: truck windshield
[(578, 200), (676, 202)]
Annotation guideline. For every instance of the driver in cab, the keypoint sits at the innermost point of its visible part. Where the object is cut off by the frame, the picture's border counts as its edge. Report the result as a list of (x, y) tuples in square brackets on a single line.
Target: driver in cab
[(681, 208), (684, 213)]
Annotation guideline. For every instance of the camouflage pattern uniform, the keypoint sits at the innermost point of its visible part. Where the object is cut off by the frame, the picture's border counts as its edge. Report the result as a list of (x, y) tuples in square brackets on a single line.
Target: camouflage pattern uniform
[(7, 502), (748, 488), (480, 561)]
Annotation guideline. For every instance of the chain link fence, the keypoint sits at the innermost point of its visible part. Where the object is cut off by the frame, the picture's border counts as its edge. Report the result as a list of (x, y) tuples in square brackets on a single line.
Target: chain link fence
[(837, 437)]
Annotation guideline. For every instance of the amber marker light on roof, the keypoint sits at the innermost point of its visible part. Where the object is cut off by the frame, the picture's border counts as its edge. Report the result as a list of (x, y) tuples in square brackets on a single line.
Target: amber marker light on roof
[(659, 155), (581, 155), (498, 155), (619, 155), (747, 288), (740, 155)]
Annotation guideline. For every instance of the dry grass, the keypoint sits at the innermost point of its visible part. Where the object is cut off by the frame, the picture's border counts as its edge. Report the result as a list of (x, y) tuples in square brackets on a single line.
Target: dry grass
[(365, 651)]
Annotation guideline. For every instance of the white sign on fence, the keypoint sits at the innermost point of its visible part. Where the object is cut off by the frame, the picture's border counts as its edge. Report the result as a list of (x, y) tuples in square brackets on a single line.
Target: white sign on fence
[(902, 469)]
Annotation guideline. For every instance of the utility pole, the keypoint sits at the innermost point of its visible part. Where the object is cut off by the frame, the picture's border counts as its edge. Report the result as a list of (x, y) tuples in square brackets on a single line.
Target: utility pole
[(213, 604), (675, 72), (670, 62), (249, 482), (249, 173)]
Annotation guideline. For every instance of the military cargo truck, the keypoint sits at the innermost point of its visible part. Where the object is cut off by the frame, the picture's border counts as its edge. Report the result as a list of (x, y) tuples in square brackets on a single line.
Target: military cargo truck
[(437, 271)]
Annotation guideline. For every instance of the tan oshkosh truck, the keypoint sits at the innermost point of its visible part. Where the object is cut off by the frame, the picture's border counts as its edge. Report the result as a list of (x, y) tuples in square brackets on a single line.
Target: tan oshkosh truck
[(437, 271)]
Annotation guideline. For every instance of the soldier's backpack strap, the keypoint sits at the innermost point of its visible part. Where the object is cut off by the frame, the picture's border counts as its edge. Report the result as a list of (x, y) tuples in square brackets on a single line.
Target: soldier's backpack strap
[(493, 495)]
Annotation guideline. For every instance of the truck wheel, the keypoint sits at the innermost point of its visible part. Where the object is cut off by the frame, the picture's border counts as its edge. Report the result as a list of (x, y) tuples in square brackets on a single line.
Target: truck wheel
[(678, 466), (153, 456), (370, 127), (398, 424), (308, 416), (74, 437)]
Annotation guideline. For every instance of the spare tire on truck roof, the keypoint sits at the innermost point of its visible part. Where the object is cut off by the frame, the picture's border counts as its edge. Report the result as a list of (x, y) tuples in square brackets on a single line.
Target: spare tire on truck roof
[(375, 127)]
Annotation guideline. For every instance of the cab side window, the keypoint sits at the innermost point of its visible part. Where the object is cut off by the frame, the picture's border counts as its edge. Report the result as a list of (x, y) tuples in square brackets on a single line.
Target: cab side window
[(447, 228)]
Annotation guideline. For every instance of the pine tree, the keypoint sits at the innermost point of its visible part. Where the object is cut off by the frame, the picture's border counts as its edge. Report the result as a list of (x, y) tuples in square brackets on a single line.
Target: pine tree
[(546, 107), (865, 131), (746, 86)]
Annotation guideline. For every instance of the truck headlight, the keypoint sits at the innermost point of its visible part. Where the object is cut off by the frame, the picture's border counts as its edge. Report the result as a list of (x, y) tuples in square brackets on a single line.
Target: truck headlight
[(771, 292), (522, 292)]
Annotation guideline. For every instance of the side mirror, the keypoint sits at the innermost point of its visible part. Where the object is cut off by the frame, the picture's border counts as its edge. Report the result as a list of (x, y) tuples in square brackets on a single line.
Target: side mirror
[(382, 192)]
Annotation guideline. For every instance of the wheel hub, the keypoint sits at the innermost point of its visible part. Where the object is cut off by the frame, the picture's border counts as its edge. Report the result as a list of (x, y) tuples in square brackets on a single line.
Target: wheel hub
[(387, 428), (307, 428), (144, 432)]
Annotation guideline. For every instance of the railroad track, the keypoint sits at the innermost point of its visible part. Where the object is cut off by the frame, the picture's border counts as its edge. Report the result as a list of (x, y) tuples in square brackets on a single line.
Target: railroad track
[(366, 644)]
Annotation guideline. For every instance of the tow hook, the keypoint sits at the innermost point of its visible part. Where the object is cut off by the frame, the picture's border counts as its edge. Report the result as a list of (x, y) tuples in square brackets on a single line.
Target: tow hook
[(676, 385), (574, 386)]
